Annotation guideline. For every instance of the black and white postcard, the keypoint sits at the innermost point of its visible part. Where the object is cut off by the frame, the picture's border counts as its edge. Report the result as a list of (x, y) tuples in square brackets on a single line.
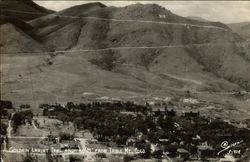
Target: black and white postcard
[(124, 81)]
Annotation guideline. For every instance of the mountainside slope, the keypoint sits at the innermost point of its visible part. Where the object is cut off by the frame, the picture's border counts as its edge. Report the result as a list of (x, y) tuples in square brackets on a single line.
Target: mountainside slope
[(81, 9), (138, 50), (210, 44), (243, 29), (17, 9), (17, 41)]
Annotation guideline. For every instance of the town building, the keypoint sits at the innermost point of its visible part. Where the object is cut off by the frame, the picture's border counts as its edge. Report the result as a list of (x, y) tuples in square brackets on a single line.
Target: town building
[(205, 151), (182, 153)]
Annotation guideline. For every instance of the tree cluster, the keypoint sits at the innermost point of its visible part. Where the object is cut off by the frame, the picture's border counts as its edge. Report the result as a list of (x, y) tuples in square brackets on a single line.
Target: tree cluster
[(20, 118), (107, 123)]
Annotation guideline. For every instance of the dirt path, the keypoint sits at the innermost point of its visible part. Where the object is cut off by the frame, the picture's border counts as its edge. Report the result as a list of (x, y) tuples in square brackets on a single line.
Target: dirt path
[(123, 20), (9, 129), (83, 143), (184, 79), (34, 125)]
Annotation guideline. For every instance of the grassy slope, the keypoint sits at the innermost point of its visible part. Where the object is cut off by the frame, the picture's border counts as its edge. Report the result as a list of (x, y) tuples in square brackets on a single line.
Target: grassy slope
[(16, 40), (243, 29), (170, 71), (22, 5)]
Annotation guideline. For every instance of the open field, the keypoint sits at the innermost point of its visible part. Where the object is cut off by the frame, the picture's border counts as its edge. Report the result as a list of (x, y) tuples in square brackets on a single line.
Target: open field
[(53, 126), (28, 143), (43, 126)]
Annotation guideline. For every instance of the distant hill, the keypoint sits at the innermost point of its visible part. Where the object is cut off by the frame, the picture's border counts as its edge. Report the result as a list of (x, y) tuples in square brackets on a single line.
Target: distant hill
[(17, 9), (243, 29)]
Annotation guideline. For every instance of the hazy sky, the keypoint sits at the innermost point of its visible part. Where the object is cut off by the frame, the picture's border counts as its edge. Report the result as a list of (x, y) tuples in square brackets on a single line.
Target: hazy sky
[(224, 11)]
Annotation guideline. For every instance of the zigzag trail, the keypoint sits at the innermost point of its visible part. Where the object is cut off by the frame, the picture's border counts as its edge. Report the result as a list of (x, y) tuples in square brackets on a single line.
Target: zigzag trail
[(120, 20), (127, 48)]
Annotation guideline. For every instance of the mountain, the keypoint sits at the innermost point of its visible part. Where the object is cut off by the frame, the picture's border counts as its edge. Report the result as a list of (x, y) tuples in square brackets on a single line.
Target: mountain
[(133, 51), (243, 29), (17, 12), (88, 33), (22, 9), (16, 33), (62, 30)]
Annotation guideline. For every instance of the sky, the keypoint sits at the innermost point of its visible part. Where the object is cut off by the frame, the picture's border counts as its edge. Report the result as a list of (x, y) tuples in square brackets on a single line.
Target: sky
[(223, 11)]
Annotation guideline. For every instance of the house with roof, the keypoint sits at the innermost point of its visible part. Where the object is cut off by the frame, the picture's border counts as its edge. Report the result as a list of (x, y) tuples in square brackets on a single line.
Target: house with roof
[(131, 141), (205, 151), (192, 114), (163, 141), (170, 113), (182, 153)]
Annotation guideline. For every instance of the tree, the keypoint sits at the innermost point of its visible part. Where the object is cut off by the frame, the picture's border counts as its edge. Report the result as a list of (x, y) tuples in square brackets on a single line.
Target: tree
[(127, 158), (141, 126), (66, 136), (172, 149), (49, 156), (63, 117), (73, 159), (158, 154), (153, 137), (70, 106), (144, 146), (167, 124), (18, 119), (5, 104), (25, 106), (3, 112), (151, 125), (28, 158), (3, 129), (193, 150), (101, 155)]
